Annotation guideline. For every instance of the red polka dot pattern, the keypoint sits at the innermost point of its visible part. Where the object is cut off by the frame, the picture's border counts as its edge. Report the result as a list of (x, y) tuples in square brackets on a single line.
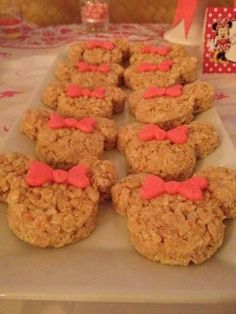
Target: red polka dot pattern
[(217, 41)]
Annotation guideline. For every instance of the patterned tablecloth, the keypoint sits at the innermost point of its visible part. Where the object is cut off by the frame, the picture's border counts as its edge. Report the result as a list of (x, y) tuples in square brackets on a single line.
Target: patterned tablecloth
[(23, 65)]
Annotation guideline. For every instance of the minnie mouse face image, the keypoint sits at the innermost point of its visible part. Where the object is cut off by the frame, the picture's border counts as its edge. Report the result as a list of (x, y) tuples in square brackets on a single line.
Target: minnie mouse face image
[(222, 40)]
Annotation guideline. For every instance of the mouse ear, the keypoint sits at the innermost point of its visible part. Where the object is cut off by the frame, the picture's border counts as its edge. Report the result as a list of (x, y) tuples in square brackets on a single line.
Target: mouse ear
[(134, 99), (203, 137), (117, 96), (203, 94), (52, 93), (76, 51), (13, 166), (103, 175), (126, 135), (123, 192), (188, 69), (222, 188), (65, 70), (135, 47), (214, 26), (109, 130), (230, 24), (33, 121), (123, 45)]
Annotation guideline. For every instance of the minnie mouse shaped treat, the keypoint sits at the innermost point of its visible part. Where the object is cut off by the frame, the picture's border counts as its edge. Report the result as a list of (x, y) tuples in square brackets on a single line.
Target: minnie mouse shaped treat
[(71, 100), (97, 51), (52, 207), (171, 106), (62, 142), (177, 223), (163, 74), (171, 154), (144, 52), (89, 75)]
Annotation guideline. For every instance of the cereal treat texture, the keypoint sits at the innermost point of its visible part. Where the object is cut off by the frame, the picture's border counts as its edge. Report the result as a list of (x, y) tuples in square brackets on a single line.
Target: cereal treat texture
[(159, 106), (184, 232), (141, 52), (164, 156), (67, 71), (203, 94), (103, 175), (96, 52), (170, 228), (50, 208), (53, 215), (64, 147), (181, 71), (56, 96), (222, 187), (12, 166)]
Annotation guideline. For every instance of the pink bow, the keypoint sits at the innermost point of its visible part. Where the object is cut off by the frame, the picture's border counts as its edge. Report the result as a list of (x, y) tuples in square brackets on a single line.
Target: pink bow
[(85, 67), (40, 173), (164, 66), (162, 51), (107, 45), (191, 189), (74, 91), (173, 91), (56, 121), (177, 135)]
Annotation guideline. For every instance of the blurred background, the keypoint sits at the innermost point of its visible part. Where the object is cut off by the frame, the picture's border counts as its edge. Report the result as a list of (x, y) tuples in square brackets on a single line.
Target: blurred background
[(51, 12)]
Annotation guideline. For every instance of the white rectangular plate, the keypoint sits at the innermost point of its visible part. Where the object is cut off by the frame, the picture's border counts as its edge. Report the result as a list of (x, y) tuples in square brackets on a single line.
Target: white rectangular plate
[(105, 267)]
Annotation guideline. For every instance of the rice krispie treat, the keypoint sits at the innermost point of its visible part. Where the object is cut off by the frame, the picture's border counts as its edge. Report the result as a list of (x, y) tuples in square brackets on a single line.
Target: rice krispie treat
[(12, 165), (144, 52), (52, 207), (89, 75), (62, 142), (163, 74), (96, 51), (177, 223), (171, 154), (222, 186), (171, 106), (70, 100)]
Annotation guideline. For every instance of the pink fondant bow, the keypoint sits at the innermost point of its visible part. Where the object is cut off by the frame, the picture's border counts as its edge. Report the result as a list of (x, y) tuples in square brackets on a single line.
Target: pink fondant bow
[(85, 67), (86, 125), (178, 135), (75, 91), (107, 45), (162, 51), (173, 91), (40, 173), (164, 66), (191, 189)]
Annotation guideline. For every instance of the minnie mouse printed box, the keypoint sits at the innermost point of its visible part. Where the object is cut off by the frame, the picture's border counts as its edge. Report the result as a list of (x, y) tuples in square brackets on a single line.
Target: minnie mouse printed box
[(220, 40)]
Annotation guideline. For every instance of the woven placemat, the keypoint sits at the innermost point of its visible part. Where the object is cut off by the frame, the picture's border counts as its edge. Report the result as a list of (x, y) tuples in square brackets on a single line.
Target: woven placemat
[(44, 12), (161, 11)]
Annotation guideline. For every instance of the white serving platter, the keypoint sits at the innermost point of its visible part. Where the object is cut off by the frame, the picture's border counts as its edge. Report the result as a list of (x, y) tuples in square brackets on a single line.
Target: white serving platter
[(105, 267)]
